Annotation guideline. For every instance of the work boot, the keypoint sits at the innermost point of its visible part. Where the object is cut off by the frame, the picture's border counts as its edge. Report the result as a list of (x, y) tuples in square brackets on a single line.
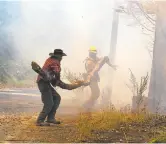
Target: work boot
[(51, 118), (53, 121), (41, 119), (42, 124)]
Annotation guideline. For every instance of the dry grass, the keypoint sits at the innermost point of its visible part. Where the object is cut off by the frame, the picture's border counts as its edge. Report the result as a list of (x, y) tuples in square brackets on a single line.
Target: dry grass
[(105, 120), (72, 77), (103, 126), (19, 84), (159, 139), (24, 84), (115, 126)]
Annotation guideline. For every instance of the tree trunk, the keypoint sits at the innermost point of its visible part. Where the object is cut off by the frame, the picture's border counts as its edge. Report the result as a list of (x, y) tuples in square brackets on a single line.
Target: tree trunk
[(157, 89)]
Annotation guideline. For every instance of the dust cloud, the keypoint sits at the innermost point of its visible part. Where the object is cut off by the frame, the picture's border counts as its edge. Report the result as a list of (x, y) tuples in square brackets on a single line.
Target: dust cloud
[(74, 26)]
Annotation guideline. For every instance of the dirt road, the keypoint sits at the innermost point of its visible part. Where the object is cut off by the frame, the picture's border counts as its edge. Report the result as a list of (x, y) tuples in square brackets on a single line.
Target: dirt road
[(28, 100)]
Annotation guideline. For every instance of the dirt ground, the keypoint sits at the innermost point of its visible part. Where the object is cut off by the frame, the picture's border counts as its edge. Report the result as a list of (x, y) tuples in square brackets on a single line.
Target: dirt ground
[(21, 128)]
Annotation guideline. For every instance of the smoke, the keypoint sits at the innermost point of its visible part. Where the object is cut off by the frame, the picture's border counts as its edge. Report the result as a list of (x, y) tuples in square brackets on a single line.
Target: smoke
[(70, 25), (74, 26)]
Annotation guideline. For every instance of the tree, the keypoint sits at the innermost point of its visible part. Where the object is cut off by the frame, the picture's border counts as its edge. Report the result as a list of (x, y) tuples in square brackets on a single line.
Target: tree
[(157, 88), (144, 15)]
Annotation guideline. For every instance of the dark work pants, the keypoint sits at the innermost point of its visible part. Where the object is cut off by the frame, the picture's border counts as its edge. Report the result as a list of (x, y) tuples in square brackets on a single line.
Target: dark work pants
[(51, 100)]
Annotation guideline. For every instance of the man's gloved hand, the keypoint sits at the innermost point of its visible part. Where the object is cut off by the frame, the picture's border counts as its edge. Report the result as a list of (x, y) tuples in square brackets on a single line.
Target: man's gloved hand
[(106, 58), (114, 67)]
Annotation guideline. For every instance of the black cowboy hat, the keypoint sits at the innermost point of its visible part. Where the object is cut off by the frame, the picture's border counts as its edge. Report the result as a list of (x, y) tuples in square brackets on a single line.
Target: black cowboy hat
[(58, 52)]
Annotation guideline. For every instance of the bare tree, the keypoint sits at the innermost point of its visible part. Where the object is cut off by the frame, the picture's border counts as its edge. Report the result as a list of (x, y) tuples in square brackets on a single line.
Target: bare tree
[(143, 13)]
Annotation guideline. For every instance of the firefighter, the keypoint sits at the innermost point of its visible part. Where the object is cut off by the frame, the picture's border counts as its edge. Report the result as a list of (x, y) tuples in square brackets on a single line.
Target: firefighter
[(90, 64), (50, 98)]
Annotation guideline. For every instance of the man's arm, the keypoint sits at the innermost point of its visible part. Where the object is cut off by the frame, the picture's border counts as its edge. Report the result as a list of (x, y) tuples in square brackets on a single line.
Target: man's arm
[(108, 62), (71, 86)]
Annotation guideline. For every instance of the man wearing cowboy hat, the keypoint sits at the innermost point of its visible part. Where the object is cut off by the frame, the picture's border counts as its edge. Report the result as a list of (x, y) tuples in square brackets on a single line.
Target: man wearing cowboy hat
[(50, 98)]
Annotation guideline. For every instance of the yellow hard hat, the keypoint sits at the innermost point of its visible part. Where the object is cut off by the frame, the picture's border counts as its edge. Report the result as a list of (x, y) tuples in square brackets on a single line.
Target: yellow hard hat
[(93, 49)]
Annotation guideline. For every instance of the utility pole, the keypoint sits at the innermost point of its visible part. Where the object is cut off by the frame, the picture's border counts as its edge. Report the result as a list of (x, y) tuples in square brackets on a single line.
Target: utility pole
[(114, 34), (112, 53)]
